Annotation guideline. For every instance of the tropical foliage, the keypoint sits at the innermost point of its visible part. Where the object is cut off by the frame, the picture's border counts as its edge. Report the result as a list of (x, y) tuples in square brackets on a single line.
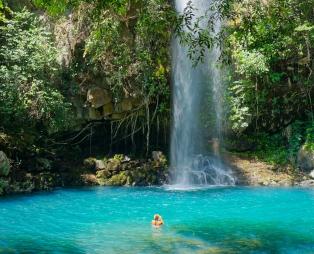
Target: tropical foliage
[(123, 46), (28, 92)]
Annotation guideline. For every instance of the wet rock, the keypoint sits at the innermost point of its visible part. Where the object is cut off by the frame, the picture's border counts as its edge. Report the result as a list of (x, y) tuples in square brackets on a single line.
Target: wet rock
[(4, 164), (305, 159)]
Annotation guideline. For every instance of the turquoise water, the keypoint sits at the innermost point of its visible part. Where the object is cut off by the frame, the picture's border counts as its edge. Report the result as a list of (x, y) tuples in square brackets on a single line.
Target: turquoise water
[(117, 220)]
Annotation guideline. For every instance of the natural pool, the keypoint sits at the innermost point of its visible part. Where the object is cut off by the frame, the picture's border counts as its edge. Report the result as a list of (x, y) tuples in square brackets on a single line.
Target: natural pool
[(117, 220)]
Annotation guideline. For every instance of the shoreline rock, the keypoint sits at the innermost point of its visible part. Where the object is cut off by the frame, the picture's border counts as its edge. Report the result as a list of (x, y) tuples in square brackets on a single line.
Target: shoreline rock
[(252, 172), (120, 170)]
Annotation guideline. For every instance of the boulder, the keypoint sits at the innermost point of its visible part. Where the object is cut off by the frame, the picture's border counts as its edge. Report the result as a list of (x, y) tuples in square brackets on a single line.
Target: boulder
[(4, 164), (98, 97), (122, 170), (90, 163), (103, 174), (113, 165), (305, 159), (311, 174), (89, 179), (100, 165)]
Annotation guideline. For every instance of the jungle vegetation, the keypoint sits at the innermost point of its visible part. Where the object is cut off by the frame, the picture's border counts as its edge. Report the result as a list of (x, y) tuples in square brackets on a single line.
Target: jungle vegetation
[(267, 53)]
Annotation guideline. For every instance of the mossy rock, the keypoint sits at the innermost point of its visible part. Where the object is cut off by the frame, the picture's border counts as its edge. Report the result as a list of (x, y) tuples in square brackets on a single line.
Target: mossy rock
[(118, 157), (4, 164), (103, 174), (108, 109), (159, 158), (118, 180), (90, 163), (114, 164)]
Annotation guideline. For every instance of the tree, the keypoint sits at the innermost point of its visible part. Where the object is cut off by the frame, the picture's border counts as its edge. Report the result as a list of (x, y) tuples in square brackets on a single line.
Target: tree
[(28, 68)]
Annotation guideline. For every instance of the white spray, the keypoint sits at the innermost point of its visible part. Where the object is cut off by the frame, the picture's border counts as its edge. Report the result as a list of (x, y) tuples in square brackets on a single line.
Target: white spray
[(189, 86)]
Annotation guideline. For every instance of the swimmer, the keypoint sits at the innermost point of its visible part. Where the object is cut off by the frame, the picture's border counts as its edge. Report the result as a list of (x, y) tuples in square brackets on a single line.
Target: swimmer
[(157, 221)]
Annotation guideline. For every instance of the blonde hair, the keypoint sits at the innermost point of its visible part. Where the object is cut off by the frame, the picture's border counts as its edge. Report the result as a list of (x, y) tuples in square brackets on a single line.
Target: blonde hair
[(157, 216)]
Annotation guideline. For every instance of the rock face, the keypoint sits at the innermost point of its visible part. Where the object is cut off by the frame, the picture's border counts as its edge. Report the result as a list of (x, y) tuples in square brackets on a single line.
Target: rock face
[(121, 170), (98, 97), (306, 159), (4, 164)]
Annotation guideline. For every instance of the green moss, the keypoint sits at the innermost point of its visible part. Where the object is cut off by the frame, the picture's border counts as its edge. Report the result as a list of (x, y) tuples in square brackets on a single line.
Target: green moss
[(118, 157), (118, 180)]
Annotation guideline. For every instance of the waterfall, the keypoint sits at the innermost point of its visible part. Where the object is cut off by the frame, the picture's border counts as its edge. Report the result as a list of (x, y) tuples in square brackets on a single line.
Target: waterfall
[(190, 82)]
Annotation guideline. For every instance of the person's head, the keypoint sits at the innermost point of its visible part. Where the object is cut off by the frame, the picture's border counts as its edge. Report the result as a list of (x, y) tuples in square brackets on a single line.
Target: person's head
[(156, 217)]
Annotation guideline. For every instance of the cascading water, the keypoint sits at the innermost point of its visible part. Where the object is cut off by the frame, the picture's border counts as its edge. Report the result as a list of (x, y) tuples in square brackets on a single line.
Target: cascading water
[(189, 85)]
